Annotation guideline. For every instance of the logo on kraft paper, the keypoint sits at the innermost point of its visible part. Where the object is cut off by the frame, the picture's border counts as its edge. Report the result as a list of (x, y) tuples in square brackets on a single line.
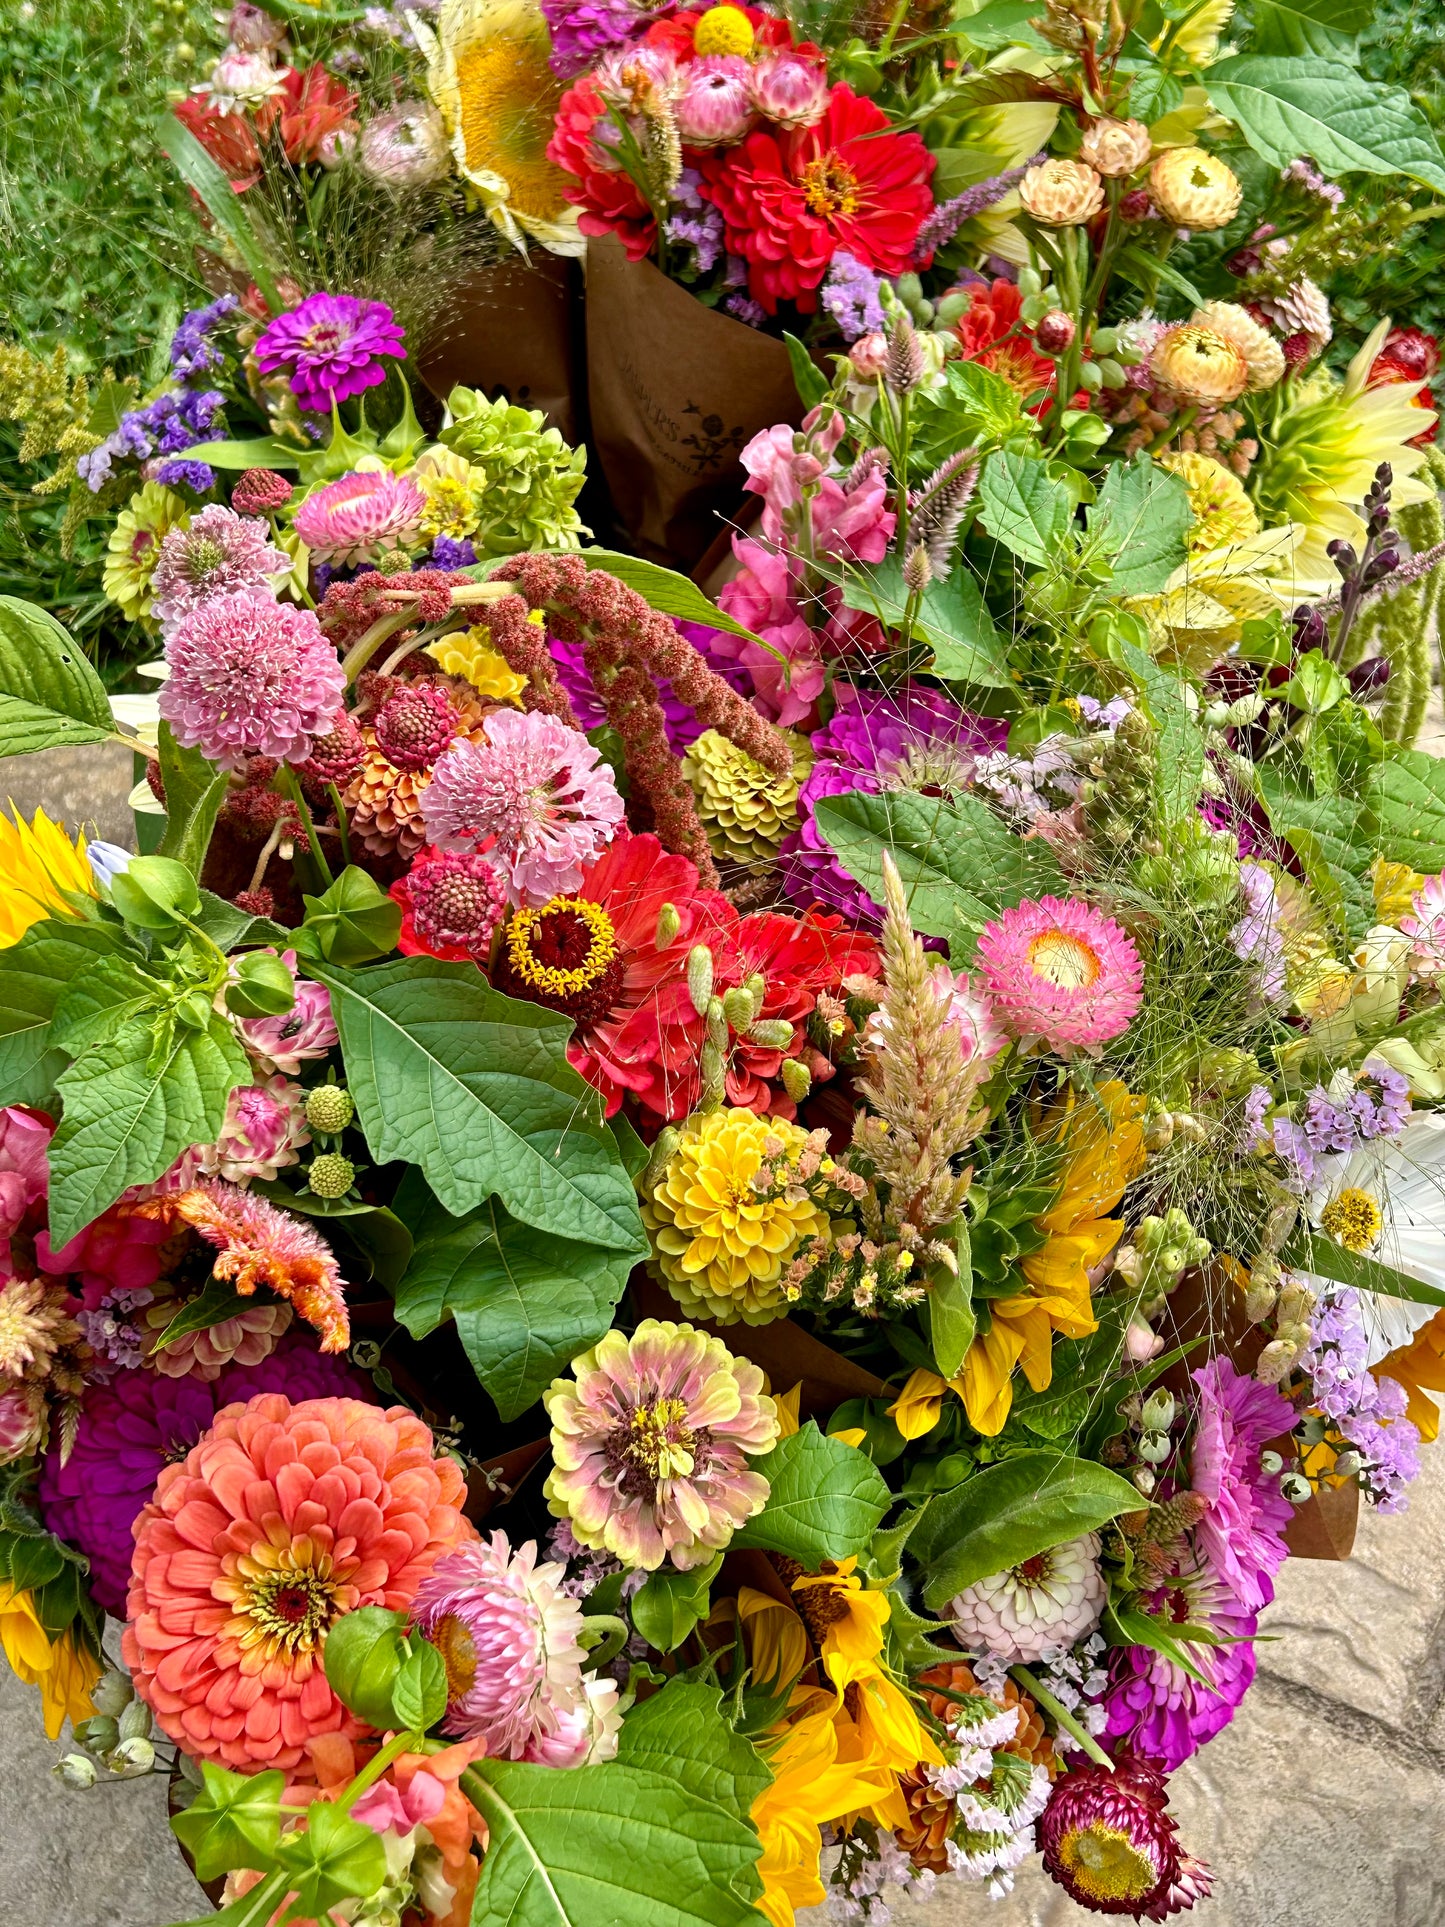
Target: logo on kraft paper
[(696, 449)]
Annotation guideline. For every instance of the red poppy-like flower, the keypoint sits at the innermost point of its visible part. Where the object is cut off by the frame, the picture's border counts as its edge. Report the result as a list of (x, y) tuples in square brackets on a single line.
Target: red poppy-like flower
[(791, 201), (607, 196), (229, 139), (1409, 354), (797, 958), (993, 336), (311, 106)]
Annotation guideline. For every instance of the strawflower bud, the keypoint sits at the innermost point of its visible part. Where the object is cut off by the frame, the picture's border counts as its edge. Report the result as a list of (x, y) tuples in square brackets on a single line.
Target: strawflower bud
[(1062, 193), (1055, 333), (1115, 148)]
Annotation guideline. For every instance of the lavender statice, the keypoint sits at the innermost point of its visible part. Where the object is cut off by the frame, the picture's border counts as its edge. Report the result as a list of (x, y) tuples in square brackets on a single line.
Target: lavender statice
[(582, 30), (1078, 1679), (448, 553), (170, 424), (1253, 1131), (697, 224), (1368, 1413), (112, 1333), (192, 350), (851, 295), (200, 477), (1291, 1145), (949, 216)]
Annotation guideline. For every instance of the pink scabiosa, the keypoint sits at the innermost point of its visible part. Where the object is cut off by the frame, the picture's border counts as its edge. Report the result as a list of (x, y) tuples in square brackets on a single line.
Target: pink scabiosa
[(250, 676), (305, 1032), (510, 1637), (337, 753), (715, 105), (1108, 1839), (535, 796), (1060, 972), (218, 552), (1242, 1533), (650, 1443), (357, 517), (451, 904), (331, 346)]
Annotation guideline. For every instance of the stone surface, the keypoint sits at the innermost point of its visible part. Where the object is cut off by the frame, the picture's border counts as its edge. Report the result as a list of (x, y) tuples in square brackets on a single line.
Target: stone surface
[(81, 788)]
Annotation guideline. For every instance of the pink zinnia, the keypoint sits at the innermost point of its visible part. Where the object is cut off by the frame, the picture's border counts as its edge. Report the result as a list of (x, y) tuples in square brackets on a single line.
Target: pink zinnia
[(1242, 1533), (514, 1659), (1427, 927), (218, 552), (359, 516), (1155, 1706), (332, 345), (250, 676), (281, 1518), (1060, 972), (535, 797), (650, 1444)]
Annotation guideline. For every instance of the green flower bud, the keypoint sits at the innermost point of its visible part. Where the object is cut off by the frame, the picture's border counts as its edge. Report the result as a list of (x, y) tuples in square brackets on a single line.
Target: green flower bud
[(1112, 374), (261, 986), (331, 1175), (1154, 1448), (77, 1772), (329, 1109), (699, 977), (1159, 1411), (951, 308), (1030, 281), (1105, 341), (100, 1734), (1091, 377), (135, 1756), (112, 1694), (154, 892), (1295, 1487), (135, 1722)]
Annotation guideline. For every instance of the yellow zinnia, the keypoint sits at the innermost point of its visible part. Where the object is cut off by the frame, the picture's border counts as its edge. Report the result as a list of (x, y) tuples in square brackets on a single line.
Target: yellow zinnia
[(488, 72), (38, 863), (65, 1671)]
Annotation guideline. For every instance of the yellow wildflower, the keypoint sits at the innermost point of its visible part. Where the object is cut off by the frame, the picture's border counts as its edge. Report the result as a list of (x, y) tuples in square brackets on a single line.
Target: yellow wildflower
[(38, 863), (134, 547), (1420, 1368), (63, 1669)]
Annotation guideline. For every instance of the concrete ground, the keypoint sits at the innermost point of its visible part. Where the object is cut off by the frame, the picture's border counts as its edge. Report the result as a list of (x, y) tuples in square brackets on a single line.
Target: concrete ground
[(1319, 1807)]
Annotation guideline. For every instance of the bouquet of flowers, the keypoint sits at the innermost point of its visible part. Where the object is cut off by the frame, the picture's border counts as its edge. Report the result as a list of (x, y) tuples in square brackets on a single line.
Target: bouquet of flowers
[(683, 1257)]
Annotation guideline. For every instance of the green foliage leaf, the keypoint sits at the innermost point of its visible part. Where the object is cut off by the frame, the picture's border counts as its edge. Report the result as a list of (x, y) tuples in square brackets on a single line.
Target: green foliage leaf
[(351, 923), (233, 1822), (34, 975), (1128, 1624), (951, 618), (255, 1909), (525, 1303), (126, 1121), (951, 1320), (1340, 16), (195, 791), (668, 592), (99, 1001), (363, 1657), (220, 1300), (201, 173), (808, 378), (231, 929), (1358, 1269), (959, 864), (1408, 793), (1010, 1512), (825, 1499), (682, 1734), (1181, 742), (49, 694), (336, 1858), (1308, 105), (668, 1604), (475, 1088), (419, 1695), (1024, 507), (1141, 519)]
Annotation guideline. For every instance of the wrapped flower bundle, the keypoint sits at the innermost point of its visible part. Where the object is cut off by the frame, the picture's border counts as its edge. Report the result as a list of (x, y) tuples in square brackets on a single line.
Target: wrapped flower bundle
[(677, 1256)]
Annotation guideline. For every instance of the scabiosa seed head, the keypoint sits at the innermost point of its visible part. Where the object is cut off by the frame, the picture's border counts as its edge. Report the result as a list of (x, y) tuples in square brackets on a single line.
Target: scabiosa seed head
[(261, 491), (414, 725), (337, 753), (250, 676), (331, 1175), (329, 1108)]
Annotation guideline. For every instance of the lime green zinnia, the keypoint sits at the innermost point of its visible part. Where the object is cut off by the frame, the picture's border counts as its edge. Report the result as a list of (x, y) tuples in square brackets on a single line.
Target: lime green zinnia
[(1329, 438), (135, 545)]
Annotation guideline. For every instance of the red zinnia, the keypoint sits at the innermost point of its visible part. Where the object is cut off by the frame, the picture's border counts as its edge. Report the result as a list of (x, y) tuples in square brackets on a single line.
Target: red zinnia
[(610, 202), (993, 336), (797, 958), (311, 106), (791, 201)]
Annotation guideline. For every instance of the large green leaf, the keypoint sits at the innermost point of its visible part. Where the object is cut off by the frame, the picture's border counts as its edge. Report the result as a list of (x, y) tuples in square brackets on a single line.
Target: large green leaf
[(195, 791), (1011, 1512), (681, 1732), (127, 1120), (1362, 1272), (951, 618), (608, 1846), (1340, 16), (1024, 507), (525, 1303), (475, 1088), (1408, 793), (1308, 105), (959, 864), (825, 1499), (34, 975), (1180, 744), (1141, 520), (668, 592), (49, 694)]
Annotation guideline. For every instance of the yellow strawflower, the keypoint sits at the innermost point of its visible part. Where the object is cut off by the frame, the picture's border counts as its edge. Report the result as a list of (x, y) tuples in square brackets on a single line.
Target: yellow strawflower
[(38, 862), (469, 654)]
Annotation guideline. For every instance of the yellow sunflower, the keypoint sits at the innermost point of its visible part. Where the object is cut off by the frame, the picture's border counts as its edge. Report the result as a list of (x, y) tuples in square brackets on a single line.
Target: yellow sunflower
[(488, 73), (64, 1670), (1420, 1368), (38, 862)]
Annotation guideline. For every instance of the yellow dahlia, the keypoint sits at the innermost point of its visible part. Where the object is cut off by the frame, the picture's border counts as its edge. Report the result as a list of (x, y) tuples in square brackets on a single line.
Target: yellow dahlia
[(471, 655), (1199, 366), (488, 72), (1194, 189), (38, 864), (1236, 325), (746, 809), (1202, 607), (1223, 513), (720, 1241)]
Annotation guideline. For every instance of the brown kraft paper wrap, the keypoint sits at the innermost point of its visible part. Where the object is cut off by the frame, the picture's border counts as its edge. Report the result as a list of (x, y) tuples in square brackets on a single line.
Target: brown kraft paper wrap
[(676, 391), (511, 328)]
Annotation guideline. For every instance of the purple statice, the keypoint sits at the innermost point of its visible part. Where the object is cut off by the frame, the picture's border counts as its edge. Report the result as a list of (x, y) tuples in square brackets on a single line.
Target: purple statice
[(448, 553), (583, 30), (179, 419), (1253, 1131), (745, 309), (192, 350), (1367, 1412), (949, 216), (1291, 1145), (1329, 1126), (1256, 938), (332, 346), (697, 224), (1241, 1536), (199, 477), (1157, 1708), (112, 1333), (851, 295), (1032, 786)]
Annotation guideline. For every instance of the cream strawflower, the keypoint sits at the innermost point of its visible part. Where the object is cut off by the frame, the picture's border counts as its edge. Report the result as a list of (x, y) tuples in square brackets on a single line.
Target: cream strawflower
[(1194, 189), (1262, 353), (1062, 193), (1115, 148)]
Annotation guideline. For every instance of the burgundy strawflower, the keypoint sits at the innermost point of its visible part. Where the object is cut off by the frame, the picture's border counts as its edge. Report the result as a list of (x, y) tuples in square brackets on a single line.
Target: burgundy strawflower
[(261, 491), (1109, 1841), (452, 902), (250, 676), (332, 346), (414, 725)]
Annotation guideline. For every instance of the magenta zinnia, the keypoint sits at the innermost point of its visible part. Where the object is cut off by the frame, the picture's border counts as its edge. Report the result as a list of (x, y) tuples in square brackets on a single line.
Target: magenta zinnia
[(1108, 1839), (250, 676), (219, 551), (1242, 1533), (359, 516), (332, 347), (1060, 972), (514, 1658), (650, 1444), (535, 797)]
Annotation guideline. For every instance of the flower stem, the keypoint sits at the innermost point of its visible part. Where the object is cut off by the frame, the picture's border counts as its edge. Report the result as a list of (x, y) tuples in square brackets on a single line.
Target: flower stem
[(1080, 1736), (290, 785), (398, 1744)]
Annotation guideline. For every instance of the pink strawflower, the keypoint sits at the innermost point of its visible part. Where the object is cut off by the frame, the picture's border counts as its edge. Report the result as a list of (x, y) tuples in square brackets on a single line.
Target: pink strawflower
[(1427, 927), (535, 797), (715, 107), (789, 90), (1060, 972), (264, 1127), (1242, 1533), (1108, 1839), (650, 1443), (361, 515), (509, 1636), (305, 1032), (250, 676), (218, 552)]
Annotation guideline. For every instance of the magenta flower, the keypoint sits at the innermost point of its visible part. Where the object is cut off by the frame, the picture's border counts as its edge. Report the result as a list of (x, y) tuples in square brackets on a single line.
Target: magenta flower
[(359, 516), (1242, 1533), (535, 797), (1060, 972), (218, 552), (510, 1637), (1108, 1839), (250, 676), (332, 347), (305, 1032), (650, 1443), (1154, 1705), (24, 1176)]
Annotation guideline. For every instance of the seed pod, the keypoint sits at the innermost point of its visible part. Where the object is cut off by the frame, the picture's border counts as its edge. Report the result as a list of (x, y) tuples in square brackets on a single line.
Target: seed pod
[(669, 922), (699, 977), (740, 1008), (797, 1079), (773, 1033)]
